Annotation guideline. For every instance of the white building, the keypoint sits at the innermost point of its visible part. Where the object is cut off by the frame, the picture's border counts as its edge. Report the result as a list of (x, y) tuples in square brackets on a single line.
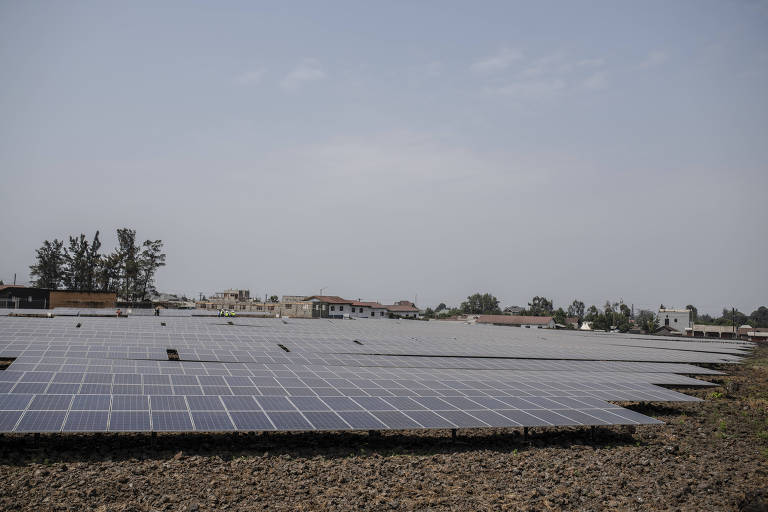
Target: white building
[(677, 319), (368, 310)]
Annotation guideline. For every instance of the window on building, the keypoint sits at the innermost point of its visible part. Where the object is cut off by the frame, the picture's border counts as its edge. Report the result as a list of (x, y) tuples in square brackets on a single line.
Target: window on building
[(341, 308), (333, 308)]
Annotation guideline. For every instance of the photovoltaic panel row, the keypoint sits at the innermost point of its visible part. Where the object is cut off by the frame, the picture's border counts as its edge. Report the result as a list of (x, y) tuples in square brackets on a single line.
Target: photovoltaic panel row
[(96, 413)]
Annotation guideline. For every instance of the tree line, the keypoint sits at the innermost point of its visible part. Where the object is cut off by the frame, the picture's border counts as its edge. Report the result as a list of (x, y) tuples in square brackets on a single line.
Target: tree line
[(129, 270), (612, 315)]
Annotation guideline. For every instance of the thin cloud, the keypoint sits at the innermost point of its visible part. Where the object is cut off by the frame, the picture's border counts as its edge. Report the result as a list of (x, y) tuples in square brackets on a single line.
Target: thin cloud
[(596, 81), (498, 62), (253, 77), (530, 89), (653, 59), (308, 70), (548, 76)]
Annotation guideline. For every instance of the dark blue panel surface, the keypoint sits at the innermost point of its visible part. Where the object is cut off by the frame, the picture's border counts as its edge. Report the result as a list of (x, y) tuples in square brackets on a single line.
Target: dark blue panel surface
[(14, 402), (326, 420), (395, 419), (207, 421), (430, 419), (240, 403), (342, 403), (8, 420), (86, 421), (275, 403), (130, 403), (253, 420), (168, 403), (91, 403), (309, 403), (173, 421), (41, 421), (50, 403), (129, 421), (289, 421), (204, 403), (362, 420), (462, 419)]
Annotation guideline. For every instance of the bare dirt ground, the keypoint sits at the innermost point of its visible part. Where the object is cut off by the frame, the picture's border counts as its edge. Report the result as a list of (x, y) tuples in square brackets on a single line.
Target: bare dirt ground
[(710, 456)]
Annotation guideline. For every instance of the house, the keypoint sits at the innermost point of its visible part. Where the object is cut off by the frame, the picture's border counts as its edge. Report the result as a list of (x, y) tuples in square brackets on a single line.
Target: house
[(26, 297), (529, 322), (676, 319), (712, 331), (362, 309), (330, 306), (747, 332), (572, 322), (403, 309), (666, 330), (514, 310)]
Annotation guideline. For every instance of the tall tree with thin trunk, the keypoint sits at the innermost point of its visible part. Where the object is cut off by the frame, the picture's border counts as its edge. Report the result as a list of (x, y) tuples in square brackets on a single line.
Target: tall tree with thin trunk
[(128, 254), (49, 269), (150, 259)]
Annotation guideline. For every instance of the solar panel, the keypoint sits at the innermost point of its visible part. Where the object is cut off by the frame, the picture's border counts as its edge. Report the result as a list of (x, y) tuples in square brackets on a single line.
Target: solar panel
[(114, 375)]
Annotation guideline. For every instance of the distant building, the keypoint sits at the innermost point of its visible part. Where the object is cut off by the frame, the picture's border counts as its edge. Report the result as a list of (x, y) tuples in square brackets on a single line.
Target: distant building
[(234, 300), (514, 310), (676, 319), (572, 321), (404, 309), (712, 331), (529, 322), (362, 309), (293, 298), (330, 306)]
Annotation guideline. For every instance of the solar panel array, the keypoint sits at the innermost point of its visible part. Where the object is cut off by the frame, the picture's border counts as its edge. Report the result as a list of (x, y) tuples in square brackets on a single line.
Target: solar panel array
[(99, 374)]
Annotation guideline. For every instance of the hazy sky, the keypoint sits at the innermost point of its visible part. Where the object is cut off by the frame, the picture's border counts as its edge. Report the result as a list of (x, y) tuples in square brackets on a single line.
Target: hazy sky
[(588, 150)]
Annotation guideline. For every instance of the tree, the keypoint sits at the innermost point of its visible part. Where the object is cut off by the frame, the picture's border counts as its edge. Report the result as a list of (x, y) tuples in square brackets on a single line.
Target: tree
[(647, 321), (559, 316), (128, 262), (429, 313), (624, 310), (150, 259), (694, 312), (75, 261), (540, 306), (732, 317), (576, 309), (440, 307), (274, 299), (592, 313), (481, 304), (92, 263), (108, 274), (758, 317), (622, 323), (49, 269)]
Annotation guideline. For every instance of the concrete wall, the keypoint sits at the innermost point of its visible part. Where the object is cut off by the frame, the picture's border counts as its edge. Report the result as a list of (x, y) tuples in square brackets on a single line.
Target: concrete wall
[(71, 299)]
